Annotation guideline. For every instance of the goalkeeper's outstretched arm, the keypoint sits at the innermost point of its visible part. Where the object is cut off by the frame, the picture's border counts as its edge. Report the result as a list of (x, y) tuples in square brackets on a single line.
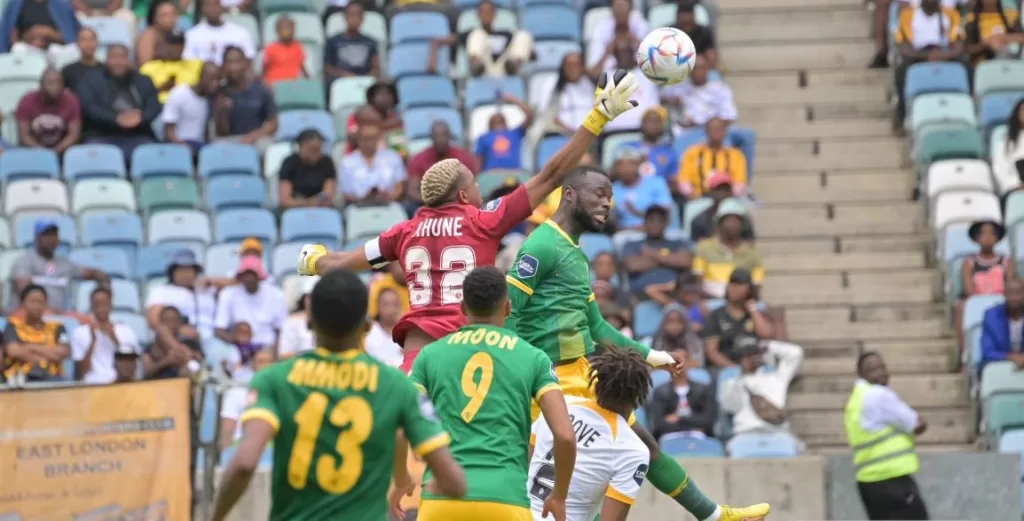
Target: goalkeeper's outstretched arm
[(604, 333)]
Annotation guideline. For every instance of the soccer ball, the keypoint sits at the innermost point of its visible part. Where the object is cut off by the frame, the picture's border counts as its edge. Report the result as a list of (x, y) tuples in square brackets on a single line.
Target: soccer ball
[(666, 56)]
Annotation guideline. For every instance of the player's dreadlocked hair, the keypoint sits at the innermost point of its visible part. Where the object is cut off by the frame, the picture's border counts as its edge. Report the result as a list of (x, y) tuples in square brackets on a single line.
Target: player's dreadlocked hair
[(440, 181), (620, 378)]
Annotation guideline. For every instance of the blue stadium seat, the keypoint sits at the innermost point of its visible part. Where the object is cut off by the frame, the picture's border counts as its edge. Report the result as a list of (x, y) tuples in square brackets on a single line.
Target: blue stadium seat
[(928, 77), (161, 159), (551, 53), (29, 163), (228, 159), (418, 27), (646, 318), (24, 229), (110, 31), (222, 259), (594, 243), (763, 445), (418, 121), (291, 123), (136, 322), (111, 228), (425, 91), (235, 191), (152, 261), (113, 261), (191, 226), (237, 225), (552, 22), (89, 161), (699, 375), (692, 447), (659, 377), (364, 222), (483, 91), (547, 148), (321, 225), (410, 59), (283, 259), (125, 295), (995, 108)]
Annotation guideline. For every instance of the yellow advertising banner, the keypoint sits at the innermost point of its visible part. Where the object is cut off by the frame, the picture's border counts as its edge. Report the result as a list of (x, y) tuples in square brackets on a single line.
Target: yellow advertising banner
[(115, 452)]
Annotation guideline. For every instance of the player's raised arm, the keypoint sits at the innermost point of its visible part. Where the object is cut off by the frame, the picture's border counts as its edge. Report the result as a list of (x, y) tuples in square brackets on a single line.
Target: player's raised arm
[(611, 100), (314, 259), (603, 333)]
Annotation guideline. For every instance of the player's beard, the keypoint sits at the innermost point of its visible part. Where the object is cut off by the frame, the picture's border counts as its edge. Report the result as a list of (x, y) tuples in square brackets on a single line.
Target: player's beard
[(585, 219)]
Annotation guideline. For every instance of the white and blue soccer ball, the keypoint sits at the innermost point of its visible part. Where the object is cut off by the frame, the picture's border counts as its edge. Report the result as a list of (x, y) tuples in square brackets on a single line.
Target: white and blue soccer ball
[(666, 56)]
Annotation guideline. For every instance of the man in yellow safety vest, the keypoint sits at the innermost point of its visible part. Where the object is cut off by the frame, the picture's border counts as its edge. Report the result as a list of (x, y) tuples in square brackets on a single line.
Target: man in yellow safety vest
[(881, 428)]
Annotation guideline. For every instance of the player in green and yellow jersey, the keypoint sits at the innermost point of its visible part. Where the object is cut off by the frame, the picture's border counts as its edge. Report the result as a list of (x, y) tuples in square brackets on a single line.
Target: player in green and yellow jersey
[(483, 378), (553, 308), (333, 414)]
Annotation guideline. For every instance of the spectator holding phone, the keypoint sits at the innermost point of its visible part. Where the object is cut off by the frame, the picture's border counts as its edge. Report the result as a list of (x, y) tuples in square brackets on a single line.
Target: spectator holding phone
[(501, 146)]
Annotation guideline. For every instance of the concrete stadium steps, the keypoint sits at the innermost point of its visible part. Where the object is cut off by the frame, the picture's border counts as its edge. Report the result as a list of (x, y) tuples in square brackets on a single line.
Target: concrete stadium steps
[(739, 7), (806, 24), (785, 220), (948, 425), (873, 243), (836, 186), (799, 263), (850, 287), (796, 55), (827, 392), (830, 153)]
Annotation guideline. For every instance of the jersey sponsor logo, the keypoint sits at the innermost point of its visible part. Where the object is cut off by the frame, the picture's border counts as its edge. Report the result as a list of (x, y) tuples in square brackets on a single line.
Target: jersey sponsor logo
[(527, 266), (640, 474), (492, 206), (427, 408)]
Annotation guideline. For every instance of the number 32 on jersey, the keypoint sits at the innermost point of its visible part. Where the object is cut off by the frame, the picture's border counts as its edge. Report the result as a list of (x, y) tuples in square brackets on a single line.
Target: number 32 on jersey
[(456, 263)]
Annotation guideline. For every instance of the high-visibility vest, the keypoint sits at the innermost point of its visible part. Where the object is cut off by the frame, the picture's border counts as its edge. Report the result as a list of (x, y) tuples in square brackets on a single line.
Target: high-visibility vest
[(879, 455)]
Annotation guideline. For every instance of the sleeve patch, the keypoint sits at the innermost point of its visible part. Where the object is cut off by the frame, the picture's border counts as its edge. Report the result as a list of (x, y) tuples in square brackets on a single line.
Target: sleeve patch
[(527, 266), (640, 474), (554, 374), (427, 409), (492, 206)]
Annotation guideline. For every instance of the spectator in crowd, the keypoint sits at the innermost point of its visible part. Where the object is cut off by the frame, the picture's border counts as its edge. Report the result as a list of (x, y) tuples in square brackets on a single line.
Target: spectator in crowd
[(175, 347), (675, 334), (44, 267), (260, 305), (34, 349), (926, 33), (40, 24), (378, 341), (701, 98), (636, 194), (351, 53), (700, 162), (501, 147), (119, 105), (105, 9), (238, 362), (372, 174), (1014, 144), (703, 37), (96, 346), (307, 177), (655, 259), (161, 19), (250, 247), (441, 147), (245, 111), (985, 272), (496, 52), (392, 280), (656, 144), (186, 113), (381, 110), (49, 117), (738, 317), (757, 399), (605, 293), (605, 271), (719, 188), (686, 290), (623, 30), (193, 301), (168, 69), (296, 333), (880, 33), (569, 98), (1002, 328), (991, 29), (234, 402), (284, 59), (715, 258), (617, 317), (126, 364), (682, 408), (74, 72), (210, 39)]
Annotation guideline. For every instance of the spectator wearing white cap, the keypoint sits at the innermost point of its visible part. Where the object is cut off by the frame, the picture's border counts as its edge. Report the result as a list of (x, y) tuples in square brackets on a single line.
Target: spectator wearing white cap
[(261, 305), (95, 347), (296, 335)]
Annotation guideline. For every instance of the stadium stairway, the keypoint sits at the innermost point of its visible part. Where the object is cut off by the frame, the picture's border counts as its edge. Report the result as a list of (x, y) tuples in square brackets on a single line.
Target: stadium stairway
[(847, 251)]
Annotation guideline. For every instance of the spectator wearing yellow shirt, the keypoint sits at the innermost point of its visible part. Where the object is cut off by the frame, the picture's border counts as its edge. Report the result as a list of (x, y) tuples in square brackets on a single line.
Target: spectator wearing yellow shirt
[(991, 29), (169, 69), (393, 280), (716, 257), (700, 162)]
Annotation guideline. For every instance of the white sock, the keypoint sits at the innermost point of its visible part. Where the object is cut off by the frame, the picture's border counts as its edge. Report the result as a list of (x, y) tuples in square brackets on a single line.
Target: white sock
[(714, 515)]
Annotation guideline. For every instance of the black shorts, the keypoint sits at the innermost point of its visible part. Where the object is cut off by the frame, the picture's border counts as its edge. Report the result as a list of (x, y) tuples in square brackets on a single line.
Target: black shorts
[(894, 499)]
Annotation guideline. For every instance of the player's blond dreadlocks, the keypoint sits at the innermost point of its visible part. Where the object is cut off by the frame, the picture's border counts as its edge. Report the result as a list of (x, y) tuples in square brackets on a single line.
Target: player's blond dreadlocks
[(440, 181), (620, 378)]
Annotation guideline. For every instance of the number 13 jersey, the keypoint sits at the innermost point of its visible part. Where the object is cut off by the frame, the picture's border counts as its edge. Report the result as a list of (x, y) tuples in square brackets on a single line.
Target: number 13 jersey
[(437, 248)]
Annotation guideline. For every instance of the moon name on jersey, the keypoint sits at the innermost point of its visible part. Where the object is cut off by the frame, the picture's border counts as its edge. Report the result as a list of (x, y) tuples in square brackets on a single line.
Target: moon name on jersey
[(585, 434), (440, 227)]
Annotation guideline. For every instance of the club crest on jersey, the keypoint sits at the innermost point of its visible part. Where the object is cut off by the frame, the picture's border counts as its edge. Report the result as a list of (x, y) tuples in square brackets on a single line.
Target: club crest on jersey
[(527, 266), (492, 206), (640, 474)]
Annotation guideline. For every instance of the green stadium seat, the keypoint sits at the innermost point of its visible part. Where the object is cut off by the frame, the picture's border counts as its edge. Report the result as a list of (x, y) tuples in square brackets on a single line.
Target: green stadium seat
[(947, 108), (998, 76), (299, 94), (942, 141), (168, 193), (1003, 413)]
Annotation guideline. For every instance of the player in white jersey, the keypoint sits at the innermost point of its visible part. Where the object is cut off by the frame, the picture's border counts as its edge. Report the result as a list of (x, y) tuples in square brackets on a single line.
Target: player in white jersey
[(611, 460)]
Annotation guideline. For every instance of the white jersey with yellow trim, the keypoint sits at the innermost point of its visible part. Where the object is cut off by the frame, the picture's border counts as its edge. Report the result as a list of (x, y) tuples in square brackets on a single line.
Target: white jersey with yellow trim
[(611, 461)]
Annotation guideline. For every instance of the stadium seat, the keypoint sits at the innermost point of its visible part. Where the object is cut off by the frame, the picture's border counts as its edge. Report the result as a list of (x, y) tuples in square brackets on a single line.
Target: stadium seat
[(228, 159), (222, 259), (161, 160), (425, 91), (36, 195), (111, 228), (931, 77), (763, 445), (552, 22), (22, 66), (99, 194), (249, 23), (994, 109), (191, 226), (273, 158), (938, 142), (410, 59), (480, 119), (365, 222), (993, 76), (237, 225), (168, 193), (646, 318), (152, 261), (492, 179), (11, 92), (293, 122), (551, 53), (308, 28), (958, 175), (124, 293), (5, 235), (418, 27), (112, 261), (110, 31), (7, 259), (321, 225), (235, 191), (1000, 378), (28, 163), (504, 20), (624, 237), (956, 244), (418, 121), (699, 375), (271, 7), (548, 147), (89, 161), (25, 233), (613, 142), (299, 94), (664, 15), (136, 322), (947, 108), (486, 90), (964, 206), (594, 243), (1002, 413), (283, 260), (350, 91), (691, 447)]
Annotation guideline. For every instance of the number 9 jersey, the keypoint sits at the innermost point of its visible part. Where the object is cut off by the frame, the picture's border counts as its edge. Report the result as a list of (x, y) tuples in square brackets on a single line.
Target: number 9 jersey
[(437, 248)]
